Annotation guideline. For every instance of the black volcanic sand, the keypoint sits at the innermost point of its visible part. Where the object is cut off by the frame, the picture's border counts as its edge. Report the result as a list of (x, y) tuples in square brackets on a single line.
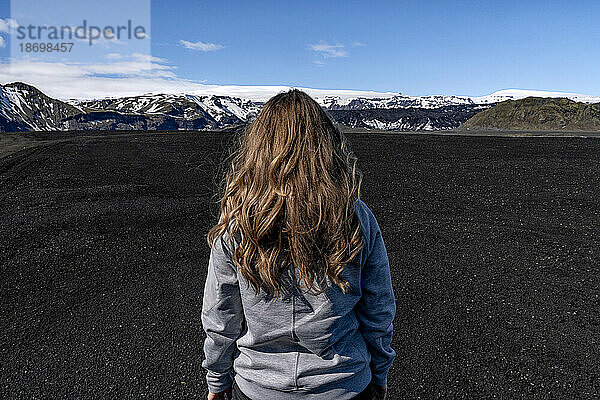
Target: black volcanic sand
[(493, 244)]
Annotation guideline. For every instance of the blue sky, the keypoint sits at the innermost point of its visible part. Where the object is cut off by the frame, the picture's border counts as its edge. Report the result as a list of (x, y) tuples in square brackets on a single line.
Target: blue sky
[(414, 47)]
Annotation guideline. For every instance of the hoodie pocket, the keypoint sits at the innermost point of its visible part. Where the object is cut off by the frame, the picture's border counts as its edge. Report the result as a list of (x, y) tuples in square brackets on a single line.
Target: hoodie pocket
[(361, 346), (349, 349)]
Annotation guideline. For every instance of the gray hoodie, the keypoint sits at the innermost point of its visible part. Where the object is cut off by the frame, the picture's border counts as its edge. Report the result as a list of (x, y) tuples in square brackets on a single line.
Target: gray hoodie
[(326, 346)]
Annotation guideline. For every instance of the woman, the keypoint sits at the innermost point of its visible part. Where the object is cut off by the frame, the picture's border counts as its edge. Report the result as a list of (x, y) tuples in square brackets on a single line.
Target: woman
[(298, 301)]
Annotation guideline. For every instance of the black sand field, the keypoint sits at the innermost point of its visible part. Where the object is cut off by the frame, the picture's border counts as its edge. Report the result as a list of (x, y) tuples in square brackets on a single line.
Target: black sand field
[(493, 244)]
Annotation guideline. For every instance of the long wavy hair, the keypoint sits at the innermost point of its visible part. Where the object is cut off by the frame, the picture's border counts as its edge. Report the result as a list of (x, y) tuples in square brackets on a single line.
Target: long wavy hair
[(289, 193)]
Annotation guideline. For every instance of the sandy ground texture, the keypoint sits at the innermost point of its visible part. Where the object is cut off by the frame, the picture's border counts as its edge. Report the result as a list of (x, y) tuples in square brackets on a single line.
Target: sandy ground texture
[(493, 245)]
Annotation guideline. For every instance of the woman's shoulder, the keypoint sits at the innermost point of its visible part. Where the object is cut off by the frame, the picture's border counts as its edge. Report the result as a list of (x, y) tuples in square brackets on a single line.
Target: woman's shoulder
[(361, 207), (364, 213), (369, 225), (226, 241)]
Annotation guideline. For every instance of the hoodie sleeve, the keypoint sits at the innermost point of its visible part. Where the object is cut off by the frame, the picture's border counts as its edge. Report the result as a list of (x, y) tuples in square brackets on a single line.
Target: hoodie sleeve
[(377, 307), (222, 317)]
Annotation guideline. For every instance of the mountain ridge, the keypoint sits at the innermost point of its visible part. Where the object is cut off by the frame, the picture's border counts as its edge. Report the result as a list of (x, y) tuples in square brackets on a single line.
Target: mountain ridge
[(25, 108)]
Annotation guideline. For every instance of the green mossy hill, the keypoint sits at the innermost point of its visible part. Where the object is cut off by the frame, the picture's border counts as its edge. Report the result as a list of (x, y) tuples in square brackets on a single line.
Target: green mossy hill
[(536, 113)]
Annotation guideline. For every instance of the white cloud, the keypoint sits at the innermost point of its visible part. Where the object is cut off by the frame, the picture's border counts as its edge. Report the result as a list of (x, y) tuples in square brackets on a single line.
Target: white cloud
[(148, 58), (8, 24), (132, 75), (113, 56), (2, 42), (329, 50), (358, 44), (129, 69), (201, 46)]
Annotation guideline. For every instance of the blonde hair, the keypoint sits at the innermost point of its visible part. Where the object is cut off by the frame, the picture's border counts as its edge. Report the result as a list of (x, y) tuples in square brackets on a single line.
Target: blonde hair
[(290, 192)]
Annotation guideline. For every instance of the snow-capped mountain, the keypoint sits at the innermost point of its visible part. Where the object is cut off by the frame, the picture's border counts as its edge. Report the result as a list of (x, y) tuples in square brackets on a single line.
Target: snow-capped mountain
[(25, 108), (220, 108), (437, 101), (169, 111), (517, 94), (396, 101), (408, 119)]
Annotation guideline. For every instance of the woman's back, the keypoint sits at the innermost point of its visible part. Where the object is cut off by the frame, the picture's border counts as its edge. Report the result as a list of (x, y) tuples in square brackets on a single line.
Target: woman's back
[(329, 345), (298, 297)]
